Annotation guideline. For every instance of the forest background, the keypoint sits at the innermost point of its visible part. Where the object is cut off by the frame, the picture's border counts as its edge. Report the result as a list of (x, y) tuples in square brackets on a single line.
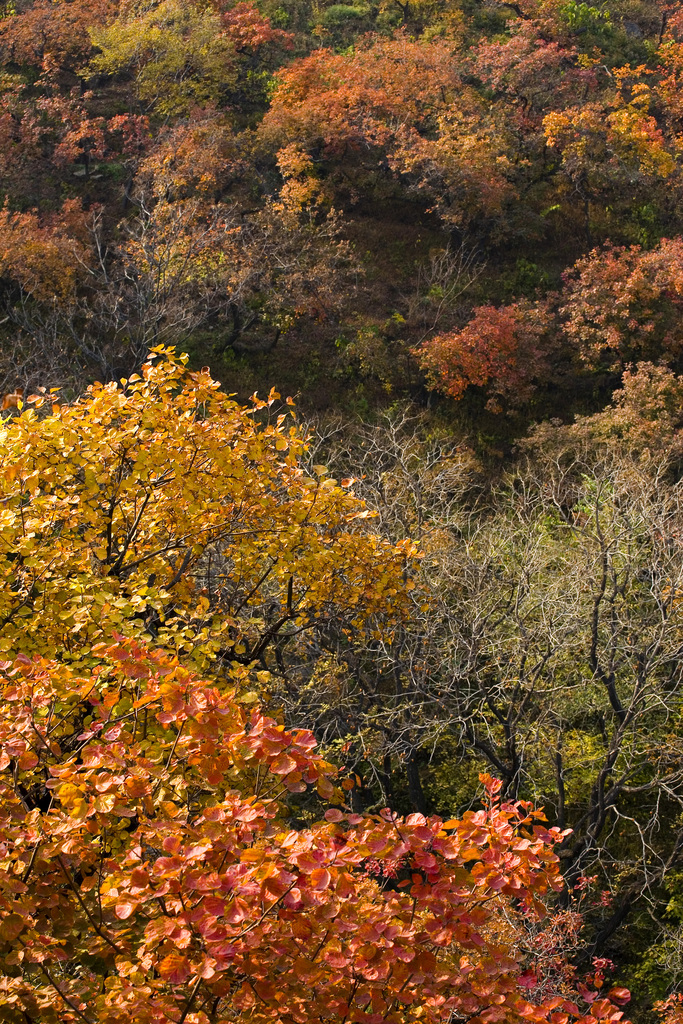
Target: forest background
[(452, 229)]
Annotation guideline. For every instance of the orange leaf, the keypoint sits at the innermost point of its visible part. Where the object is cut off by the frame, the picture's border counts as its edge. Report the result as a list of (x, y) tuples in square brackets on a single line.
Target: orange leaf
[(174, 968), (319, 878)]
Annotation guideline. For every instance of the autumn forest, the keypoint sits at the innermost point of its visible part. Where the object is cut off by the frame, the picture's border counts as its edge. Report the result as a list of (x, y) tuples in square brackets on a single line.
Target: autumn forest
[(341, 512)]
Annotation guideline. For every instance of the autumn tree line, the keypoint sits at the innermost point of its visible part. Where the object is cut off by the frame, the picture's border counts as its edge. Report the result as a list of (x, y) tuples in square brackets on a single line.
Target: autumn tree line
[(365, 706)]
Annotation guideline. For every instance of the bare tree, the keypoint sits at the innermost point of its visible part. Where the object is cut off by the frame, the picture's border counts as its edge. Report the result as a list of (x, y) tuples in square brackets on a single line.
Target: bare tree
[(167, 270), (544, 645), (440, 283)]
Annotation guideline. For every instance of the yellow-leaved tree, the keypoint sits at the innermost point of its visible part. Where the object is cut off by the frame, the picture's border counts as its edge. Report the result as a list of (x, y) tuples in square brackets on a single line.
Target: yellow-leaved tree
[(161, 508)]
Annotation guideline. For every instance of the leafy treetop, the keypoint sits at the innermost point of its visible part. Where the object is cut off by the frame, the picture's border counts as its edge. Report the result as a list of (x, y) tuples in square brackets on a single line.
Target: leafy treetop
[(160, 506)]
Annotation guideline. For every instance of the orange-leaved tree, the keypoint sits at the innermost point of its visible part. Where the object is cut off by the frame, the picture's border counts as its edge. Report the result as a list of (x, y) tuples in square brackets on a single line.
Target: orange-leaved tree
[(51, 36), (623, 304), (504, 350), (45, 259), (149, 872), (401, 98)]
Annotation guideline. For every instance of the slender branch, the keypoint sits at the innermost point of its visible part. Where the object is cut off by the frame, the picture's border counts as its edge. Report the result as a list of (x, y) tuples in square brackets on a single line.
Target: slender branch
[(87, 913), (63, 995)]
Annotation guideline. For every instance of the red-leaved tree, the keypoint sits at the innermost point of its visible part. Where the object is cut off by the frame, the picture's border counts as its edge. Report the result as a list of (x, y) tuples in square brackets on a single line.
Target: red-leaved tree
[(150, 871)]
